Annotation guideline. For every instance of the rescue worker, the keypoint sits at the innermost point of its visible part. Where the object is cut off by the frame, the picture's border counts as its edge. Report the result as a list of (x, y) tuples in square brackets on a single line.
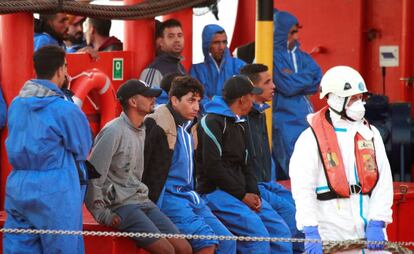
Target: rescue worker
[(340, 175), (296, 76), (49, 140), (218, 65)]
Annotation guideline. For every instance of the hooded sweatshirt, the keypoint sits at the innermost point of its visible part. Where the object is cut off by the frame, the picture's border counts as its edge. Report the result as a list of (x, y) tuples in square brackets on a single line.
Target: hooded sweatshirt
[(296, 75), (222, 152), (211, 74), (48, 137)]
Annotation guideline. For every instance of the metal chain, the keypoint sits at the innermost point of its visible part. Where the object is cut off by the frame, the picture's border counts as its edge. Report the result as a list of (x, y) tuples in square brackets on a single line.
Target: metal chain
[(189, 237)]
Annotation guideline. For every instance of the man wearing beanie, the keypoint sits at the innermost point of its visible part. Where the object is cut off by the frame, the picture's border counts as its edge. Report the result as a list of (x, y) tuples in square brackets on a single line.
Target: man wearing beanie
[(118, 198)]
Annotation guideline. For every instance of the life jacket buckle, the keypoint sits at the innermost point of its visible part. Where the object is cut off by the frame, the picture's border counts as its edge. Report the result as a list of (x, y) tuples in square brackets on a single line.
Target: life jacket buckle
[(355, 188)]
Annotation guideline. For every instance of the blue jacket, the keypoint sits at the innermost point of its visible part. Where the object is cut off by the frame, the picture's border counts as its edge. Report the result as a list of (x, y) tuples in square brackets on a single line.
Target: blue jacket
[(208, 73), (48, 138), (44, 39), (296, 75)]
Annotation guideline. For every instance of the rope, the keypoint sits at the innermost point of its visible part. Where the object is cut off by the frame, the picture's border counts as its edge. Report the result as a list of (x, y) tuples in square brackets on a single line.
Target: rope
[(147, 9), (329, 246)]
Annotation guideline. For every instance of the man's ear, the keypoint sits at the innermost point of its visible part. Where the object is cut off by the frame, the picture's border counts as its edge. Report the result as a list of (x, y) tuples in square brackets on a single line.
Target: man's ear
[(174, 100)]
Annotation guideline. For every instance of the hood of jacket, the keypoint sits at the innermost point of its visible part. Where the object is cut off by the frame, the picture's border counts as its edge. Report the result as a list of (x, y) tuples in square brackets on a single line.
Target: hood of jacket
[(208, 33), (283, 23), (40, 92), (218, 106)]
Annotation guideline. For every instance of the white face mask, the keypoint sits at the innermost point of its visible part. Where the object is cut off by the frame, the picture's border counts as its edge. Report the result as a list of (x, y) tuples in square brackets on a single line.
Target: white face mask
[(356, 111)]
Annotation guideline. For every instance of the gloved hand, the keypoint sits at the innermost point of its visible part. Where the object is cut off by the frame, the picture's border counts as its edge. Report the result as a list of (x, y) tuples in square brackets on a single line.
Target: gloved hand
[(312, 232), (375, 232)]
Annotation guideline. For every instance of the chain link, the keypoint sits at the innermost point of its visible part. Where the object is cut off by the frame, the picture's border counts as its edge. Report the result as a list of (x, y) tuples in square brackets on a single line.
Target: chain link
[(190, 237)]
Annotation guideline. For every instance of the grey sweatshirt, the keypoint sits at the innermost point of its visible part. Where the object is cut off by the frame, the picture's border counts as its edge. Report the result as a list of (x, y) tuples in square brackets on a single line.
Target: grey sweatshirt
[(118, 155)]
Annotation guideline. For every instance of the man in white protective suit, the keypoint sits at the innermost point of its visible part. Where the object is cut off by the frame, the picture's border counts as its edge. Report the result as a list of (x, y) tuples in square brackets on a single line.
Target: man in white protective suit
[(340, 175)]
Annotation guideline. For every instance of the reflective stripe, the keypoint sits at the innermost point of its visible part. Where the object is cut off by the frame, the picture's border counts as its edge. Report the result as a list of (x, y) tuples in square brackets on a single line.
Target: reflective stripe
[(321, 189), (361, 203), (340, 129), (210, 134)]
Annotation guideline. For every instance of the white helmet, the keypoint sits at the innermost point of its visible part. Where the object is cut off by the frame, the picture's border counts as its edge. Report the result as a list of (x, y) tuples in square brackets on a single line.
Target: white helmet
[(342, 81)]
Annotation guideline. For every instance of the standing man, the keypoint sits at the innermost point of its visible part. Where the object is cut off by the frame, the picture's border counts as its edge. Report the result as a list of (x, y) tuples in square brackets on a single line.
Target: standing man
[(340, 175), (51, 30), (260, 157), (218, 65), (225, 178), (118, 198), (48, 142), (170, 44), (169, 167), (296, 76), (75, 40), (97, 35)]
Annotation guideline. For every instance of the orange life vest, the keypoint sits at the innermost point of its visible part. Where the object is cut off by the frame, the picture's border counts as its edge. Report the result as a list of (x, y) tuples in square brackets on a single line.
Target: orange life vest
[(332, 159)]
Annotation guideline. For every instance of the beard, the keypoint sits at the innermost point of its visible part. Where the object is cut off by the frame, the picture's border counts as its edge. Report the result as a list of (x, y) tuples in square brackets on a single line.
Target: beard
[(76, 38)]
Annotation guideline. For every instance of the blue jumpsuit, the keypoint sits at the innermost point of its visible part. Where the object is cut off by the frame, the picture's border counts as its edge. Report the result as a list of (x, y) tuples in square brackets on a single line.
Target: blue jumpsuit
[(48, 138), (296, 76), (183, 205), (211, 75)]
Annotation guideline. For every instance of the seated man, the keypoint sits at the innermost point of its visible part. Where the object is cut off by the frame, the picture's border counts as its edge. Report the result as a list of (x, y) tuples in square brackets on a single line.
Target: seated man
[(118, 198), (169, 168), (224, 176), (260, 157)]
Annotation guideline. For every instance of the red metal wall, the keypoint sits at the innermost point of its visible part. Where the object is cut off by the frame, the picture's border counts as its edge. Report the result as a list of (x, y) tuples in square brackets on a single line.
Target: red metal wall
[(350, 33)]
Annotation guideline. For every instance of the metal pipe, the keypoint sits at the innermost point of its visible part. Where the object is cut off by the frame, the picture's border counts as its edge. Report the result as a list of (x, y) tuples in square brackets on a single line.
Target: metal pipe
[(264, 46), (139, 39), (16, 67), (406, 49)]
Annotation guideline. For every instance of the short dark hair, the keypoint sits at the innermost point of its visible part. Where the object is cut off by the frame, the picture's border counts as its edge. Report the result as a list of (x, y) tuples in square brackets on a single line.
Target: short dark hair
[(253, 70), (47, 60), (167, 80), (102, 26), (166, 24), (181, 86)]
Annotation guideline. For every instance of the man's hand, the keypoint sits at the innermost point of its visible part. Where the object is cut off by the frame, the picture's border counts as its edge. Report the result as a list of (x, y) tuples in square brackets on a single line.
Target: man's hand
[(253, 201), (115, 220), (92, 52)]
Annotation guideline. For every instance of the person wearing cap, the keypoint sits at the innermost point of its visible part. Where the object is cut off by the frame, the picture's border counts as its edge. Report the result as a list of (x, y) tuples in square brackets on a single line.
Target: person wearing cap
[(75, 40), (118, 198), (218, 65), (340, 175), (225, 179), (169, 167), (260, 157), (296, 76)]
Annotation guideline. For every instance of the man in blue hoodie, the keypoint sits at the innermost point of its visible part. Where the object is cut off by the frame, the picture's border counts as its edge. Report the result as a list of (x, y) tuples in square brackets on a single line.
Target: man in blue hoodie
[(48, 142), (51, 29), (296, 76), (218, 65), (225, 177)]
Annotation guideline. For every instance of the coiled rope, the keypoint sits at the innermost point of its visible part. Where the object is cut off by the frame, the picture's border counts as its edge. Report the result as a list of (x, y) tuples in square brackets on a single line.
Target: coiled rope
[(147, 9)]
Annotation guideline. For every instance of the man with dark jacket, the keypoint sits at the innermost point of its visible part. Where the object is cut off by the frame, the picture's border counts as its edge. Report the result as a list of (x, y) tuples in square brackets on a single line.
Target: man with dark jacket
[(169, 166), (170, 40), (225, 178), (260, 157)]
